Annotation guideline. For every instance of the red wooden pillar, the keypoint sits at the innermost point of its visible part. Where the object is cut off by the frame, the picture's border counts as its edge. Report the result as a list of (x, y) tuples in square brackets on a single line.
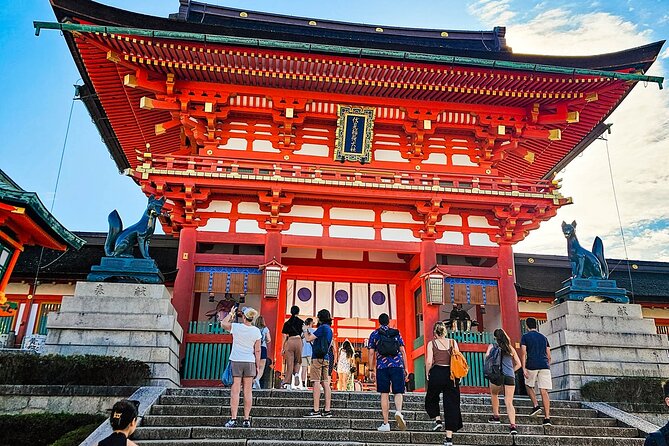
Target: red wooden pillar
[(269, 307), (182, 297), (508, 299), (428, 260), (406, 319)]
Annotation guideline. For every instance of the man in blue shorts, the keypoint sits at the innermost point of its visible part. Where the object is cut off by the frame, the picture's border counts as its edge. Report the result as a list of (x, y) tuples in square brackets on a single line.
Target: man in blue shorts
[(387, 360)]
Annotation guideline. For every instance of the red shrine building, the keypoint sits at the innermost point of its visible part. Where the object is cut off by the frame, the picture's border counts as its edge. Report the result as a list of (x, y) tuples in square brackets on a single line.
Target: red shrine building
[(359, 168)]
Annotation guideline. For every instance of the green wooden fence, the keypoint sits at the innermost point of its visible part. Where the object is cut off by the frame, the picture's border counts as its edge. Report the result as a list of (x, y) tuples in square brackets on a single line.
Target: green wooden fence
[(206, 360), (44, 313), (6, 324), (205, 327), (471, 337), (475, 376)]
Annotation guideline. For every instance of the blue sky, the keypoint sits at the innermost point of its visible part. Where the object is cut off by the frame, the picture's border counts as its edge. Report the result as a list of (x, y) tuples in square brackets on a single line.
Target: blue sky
[(38, 74)]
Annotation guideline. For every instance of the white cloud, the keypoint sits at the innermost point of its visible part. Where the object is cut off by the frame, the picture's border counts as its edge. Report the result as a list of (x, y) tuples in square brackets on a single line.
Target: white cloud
[(638, 145)]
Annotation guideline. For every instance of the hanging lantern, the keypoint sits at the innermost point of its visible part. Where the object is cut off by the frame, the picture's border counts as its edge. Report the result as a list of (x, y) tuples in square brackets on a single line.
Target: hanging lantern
[(272, 278), (433, 284)]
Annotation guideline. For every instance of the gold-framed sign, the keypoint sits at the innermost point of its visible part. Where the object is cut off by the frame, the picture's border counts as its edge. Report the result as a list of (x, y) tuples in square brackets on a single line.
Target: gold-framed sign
[(355, 131)]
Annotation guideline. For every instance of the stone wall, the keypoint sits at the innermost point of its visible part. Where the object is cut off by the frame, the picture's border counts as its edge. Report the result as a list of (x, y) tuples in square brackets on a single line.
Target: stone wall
[(55, 399)]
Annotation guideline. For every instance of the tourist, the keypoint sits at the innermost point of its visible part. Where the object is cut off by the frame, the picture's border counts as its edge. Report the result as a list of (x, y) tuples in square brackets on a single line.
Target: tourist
[(661, 437), (306, 351), (244, 361), (321, 364), (510, 363), (535, 354), (438, 366), (123, 420), (291, 350), (345, 362), (387, 362), (265, 339)]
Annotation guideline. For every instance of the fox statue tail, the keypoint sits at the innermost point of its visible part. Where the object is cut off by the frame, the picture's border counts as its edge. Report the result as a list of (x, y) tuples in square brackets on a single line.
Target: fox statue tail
[(115, 228), (598, 251)]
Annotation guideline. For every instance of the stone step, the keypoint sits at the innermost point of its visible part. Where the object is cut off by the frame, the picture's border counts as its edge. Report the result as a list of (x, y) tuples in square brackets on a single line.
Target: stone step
[(342, 423), (352, 396), (283, 409), (197, 416), (281, 400), (372, 436), (239, 442)]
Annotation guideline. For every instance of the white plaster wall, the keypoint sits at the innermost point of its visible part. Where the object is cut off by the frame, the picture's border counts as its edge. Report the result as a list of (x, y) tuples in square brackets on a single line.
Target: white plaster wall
[(451, 238), (32, 317), (461, 160), (17, 288), (249, 207), (451, 220), (234, 144), (307, 229), (335, 254), (437, 158), (389, 155), (353, 232), (217, 224), (476, 221), (300, 253), (249, 227), (306, 211), (263, 145), (476, 239), (218, 206), (396, 217), (398, 235), (352, 214), (385, 257), (57, 289), (321, 150)]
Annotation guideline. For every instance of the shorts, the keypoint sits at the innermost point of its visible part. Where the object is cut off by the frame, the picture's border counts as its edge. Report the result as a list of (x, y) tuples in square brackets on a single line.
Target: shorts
[(320, 370), (391, 376), (542, 378), (306, 361), (263, 352), (243, 369)]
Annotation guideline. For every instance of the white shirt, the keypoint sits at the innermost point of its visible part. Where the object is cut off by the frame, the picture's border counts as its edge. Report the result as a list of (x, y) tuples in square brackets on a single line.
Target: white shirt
[(244, 338)]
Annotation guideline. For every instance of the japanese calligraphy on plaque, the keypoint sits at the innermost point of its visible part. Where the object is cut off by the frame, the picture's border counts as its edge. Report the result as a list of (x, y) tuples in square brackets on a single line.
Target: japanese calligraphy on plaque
[(355, 130)]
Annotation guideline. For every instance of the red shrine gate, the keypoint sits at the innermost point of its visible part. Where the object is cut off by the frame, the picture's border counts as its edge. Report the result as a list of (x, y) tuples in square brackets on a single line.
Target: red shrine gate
[(300, 169)]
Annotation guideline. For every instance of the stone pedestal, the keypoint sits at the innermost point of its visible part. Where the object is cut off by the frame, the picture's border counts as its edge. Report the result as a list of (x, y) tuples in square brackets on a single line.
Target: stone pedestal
[(597, 290), (135, 321), (595, 341), (126, 269)]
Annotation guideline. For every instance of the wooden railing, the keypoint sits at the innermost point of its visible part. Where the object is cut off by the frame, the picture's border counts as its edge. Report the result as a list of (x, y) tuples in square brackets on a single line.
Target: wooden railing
[(199, 166), (45, 309)]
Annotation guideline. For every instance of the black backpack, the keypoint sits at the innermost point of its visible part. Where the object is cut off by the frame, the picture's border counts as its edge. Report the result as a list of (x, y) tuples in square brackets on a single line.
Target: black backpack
[(492, 366), (320, 347), (388, 344)]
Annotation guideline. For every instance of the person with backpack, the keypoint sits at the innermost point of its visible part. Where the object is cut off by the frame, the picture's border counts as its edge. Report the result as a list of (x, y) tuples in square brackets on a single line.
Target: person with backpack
[(535, 352), (500, 368), (387, 362), (438, 366), (306, 351), (661, 437), (322, 359), (292, 349)]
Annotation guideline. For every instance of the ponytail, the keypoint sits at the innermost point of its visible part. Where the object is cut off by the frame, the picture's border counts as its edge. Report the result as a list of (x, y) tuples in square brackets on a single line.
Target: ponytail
[(123, 413), (503, 341)]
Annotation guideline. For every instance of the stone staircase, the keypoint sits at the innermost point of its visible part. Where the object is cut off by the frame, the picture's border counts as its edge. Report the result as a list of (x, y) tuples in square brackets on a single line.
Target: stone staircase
[(195, 417)]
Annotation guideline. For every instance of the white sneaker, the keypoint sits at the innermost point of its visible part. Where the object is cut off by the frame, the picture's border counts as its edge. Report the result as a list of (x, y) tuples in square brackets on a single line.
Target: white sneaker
[(399, 419), (385, 427)]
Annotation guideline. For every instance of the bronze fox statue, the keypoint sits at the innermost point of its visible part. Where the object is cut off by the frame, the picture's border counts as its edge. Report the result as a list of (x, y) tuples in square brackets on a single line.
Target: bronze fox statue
[(585, 264), (121, 242)]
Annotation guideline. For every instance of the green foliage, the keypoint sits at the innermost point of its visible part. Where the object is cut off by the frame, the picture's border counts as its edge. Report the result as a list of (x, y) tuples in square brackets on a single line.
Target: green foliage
[(86, 370), (625, 390), (77, 436), (41, 429)]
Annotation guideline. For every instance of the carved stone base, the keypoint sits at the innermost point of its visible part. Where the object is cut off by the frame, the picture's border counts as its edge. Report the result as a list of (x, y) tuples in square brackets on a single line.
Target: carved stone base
[(126, 269), (595, 341), (135, 321), (594, 290)]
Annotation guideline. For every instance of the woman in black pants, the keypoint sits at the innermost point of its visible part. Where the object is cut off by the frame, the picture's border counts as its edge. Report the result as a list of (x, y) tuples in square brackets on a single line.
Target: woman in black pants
[(438, 366)]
